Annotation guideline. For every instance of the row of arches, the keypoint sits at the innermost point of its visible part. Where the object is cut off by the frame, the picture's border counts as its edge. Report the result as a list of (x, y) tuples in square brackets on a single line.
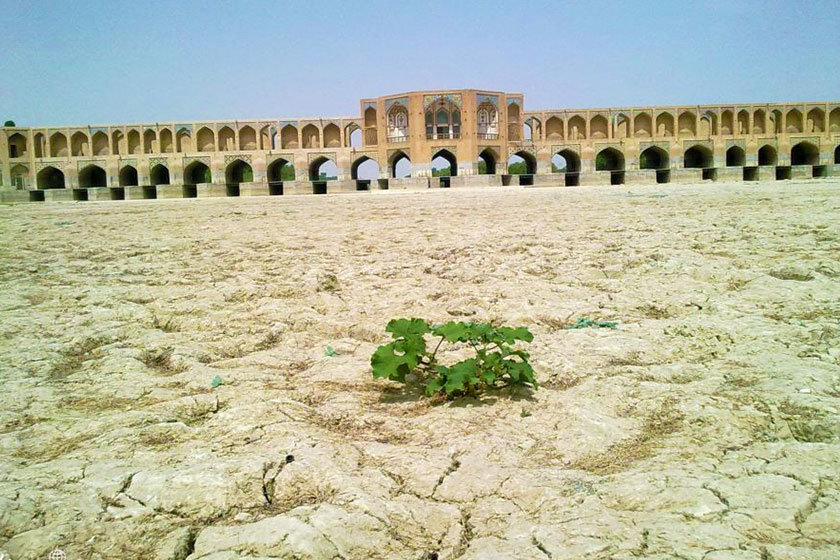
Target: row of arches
[(688, 123), (204, 140)]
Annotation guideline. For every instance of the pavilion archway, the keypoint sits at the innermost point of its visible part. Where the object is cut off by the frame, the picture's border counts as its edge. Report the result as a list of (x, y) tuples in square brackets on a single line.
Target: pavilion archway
[(322, 165), (449, 157), (399, 165), (767, 155), (735, 157), (567, 162), (364, 169), (196, 173), (128, 176), (50, 178), (488, 157), (92, 176), (805, 153), (159, 175), (698, 157)]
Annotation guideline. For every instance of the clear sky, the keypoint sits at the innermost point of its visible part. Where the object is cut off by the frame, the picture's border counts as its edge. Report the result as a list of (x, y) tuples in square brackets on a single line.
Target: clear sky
[(145, 61)]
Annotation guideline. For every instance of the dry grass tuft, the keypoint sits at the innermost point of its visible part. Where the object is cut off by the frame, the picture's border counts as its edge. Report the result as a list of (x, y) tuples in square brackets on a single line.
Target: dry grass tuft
[(301, 490), (160, 360), (73, 357)]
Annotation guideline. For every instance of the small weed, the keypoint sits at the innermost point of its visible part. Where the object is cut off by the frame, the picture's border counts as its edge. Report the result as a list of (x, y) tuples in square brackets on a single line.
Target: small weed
[(167, 325), (217, 381), (73, 357), (328, 283), (160, 360), (330, 352), (525, 413), (585, 323)]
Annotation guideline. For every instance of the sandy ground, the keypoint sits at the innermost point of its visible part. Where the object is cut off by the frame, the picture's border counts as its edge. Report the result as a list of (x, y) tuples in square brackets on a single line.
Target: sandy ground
[(705, 426)]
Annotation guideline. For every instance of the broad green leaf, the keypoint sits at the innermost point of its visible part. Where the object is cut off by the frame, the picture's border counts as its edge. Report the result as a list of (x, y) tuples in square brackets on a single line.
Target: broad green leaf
[(390, 365), (511, 335), (433, 386), (453, 331), (460, 376), (407, 327)]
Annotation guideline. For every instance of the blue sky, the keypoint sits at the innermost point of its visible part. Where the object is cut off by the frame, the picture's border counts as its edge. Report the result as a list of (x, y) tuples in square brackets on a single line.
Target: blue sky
[(121, 62)]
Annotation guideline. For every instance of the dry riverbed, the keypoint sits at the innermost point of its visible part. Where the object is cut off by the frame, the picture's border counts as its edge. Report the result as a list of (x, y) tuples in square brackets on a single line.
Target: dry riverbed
[(705, 426)]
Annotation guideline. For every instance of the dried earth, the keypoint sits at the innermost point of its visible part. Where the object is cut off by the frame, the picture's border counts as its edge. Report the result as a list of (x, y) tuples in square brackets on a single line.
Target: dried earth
[(705, 426)]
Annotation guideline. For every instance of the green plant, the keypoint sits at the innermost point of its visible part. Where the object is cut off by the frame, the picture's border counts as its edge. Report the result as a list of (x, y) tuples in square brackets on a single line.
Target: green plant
[(330, 352), (496, 362), (585, 322), (217, 381)]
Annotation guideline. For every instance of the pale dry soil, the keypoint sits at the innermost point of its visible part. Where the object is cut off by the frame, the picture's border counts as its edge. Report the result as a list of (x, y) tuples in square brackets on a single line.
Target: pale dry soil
[(705, 426)]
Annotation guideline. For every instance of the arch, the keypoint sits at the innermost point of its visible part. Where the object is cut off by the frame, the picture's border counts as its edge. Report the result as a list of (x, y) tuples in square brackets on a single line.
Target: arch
[(332, 136), (532, 129), (226, 139), (488, 120), (238, 171), (735, 157), (58, 146), (183, 141), (289, 137), (364, 168), (664, 124), (834, 120), (267, 139), (698, 157), (450, 158), (197, 172), (40, 145), (149, 141), (708, 124), (726, 126), (399, 160), (247, 138), (514, 131), (577, 128), (315, 168), (759, 121), (352, 136), (570, 161), (100, 144), (653, 157), (166, 141), (794, 121), (280, 170), (743, 122), (622, 126), (18, 174), (554, 128), (528, 159), (128, 176), (397, 123), (370, 136), (598, 127), (609, 159), (804, 153), (133, 142), (776, 118), (816, 120), (50, 178), (489, 158), (767, 155), (117, 139), (837, 155), (159, 175), (687, 123), (642, 126), (17, 145), (205, 140), (92, 176), (79, 144), (311, 136)]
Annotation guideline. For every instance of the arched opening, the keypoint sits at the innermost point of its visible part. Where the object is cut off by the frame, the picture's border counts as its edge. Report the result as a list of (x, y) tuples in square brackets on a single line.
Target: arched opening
[(726, 126), (323, 169), (611, 160), (487, 162), (598, 126), (50, 178), (577, 128), (400, 166), (653, 158), (794, 121), (687, 124), (522, 163), (159, 175), (514, 131), (267, 138), (708, 124), (79, 144), (237, 172), (100, 144), (226, 139), (247, 138), (759, 121), (804, 153), (532, 129), (149, 142), (735, 157), (622, 126), (205, 140), (443, 119), (289, 137), (92, 176), (58, 145), (133, 142), (117, 139), (183, 141), (554, 128), (332, 136), (40, 145), (816, 120), (353, 136), (18, 174), (698, 157), (767, 155), (166, 141), (568, 162), (743, 122), (128, 176), (278, 171), (837, 155), (17, 145), (641, 126), (397, 123), (488, 120), (776, 119), (834, 120), (196, 173), (364, 169), (311, 137), (370, 136), (664, 125), (444, 164)]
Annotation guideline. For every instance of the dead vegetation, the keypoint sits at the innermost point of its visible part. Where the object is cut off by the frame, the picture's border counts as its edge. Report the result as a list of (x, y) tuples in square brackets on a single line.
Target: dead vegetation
[(160, 360), (72, 357)]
